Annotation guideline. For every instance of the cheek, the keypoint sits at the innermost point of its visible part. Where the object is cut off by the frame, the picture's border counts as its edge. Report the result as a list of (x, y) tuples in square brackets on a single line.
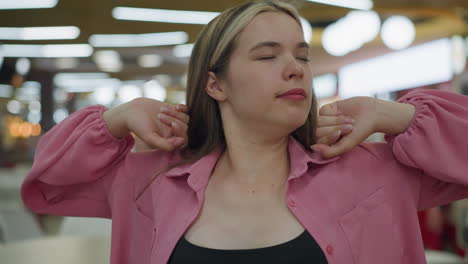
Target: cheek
[(253, 83)]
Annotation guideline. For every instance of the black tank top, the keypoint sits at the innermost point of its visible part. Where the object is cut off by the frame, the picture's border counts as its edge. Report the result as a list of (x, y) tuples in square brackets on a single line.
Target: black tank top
[(302, 249)]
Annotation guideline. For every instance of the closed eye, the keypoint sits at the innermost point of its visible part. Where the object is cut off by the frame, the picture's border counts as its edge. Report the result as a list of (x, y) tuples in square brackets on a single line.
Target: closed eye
[(266, 58), (304, 59)]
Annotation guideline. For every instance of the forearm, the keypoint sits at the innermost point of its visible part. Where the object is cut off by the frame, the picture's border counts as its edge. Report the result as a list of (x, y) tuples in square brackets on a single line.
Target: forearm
[(392, 117)]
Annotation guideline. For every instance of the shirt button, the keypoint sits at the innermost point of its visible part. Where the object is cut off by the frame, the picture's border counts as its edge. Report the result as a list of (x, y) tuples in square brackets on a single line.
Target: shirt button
[(329, 250), (292, 203)]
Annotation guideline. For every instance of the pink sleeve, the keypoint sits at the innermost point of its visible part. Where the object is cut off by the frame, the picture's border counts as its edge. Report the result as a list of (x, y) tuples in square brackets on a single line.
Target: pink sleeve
[(74, 166), (436, 143)]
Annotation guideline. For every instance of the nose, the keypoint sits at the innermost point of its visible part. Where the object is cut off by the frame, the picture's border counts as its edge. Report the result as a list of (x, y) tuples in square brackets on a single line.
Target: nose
[(293, 69)]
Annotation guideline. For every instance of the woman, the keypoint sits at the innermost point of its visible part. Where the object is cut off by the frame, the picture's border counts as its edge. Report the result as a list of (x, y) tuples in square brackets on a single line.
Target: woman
[(237, 183)]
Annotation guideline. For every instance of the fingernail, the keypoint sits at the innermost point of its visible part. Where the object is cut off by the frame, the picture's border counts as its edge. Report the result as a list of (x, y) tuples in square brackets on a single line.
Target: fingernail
[(179, 108), (165, 109), (173, 124), (176, 141), (347, 127), (162, 116), (349, 121), (336, 133)]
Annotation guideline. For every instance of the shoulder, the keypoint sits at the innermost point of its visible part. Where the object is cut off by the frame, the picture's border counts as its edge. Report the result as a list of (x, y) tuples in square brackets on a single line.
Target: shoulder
[(369, 161), (139, 168), (150, 161), (369, 152)]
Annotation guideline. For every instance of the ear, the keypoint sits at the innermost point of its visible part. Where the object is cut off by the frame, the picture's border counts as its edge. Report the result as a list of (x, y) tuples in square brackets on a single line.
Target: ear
[(214, 89)]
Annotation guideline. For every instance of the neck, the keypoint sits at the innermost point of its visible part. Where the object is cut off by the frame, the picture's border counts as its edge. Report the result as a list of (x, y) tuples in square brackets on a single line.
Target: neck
[(255, 162)]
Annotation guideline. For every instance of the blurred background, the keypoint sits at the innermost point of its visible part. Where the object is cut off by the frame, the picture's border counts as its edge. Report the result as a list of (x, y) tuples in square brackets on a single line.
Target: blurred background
[(57, 56)]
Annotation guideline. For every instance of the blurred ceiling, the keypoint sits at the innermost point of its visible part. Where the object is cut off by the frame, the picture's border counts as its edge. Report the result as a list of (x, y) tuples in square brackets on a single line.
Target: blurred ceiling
[(433, 18)]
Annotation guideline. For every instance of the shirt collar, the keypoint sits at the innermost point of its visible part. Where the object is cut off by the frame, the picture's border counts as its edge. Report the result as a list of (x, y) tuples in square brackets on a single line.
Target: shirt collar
[(199, 172), (301, 158)]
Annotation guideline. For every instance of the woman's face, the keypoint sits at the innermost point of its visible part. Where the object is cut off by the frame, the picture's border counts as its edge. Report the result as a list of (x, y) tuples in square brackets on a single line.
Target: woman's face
[(270, 58)]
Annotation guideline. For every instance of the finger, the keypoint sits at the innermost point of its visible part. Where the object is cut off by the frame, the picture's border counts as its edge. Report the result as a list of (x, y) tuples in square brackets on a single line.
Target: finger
[(344, 145), (182, 108), (331, 109), (333, 120), (320, 148), (176, 114), (164, 126), (330, 139), (327, 131), (158, 142), (179, 129), (165, 119), (176, 141)]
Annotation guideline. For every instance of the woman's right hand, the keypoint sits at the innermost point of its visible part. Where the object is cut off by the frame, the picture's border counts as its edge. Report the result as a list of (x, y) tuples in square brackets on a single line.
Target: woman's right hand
[(157, 124)]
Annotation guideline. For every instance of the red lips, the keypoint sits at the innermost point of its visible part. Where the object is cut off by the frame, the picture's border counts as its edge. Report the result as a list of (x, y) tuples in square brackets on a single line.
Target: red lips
[(295, 91)]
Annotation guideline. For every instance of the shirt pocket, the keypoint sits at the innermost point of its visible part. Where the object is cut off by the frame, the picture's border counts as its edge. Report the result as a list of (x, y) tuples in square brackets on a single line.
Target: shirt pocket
[(371, 231)]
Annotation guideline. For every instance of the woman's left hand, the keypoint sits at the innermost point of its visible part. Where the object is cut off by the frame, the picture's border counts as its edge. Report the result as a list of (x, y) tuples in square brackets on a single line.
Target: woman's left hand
[(332, 119)]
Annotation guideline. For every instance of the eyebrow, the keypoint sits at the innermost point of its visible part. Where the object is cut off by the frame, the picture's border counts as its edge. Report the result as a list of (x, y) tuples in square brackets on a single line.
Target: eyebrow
[(273, 44)]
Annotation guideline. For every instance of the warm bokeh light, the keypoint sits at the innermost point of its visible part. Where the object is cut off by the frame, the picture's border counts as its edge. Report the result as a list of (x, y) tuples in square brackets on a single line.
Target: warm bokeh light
[(18, 128)]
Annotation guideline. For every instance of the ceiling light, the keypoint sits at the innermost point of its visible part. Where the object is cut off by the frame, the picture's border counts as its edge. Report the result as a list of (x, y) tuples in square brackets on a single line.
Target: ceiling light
[(34, 117), (354, 4), (351, 32), (83, 82), (180, 16), (34, 106), (154, 90), (6, 90), (398, 32), (108, 60), (421, 65), (177, 97), (182, 51), (27, 4), (104, 95), (150, 60), (307, 29), (366, 24), (66, 63), (47, 51), (138, 40), (459, 55), (129, 92), (14, 106), (31, 90), (163, 15), (23, 65), (61, 78), (39, 33), (89, 85), (325, 85), (60, 114)]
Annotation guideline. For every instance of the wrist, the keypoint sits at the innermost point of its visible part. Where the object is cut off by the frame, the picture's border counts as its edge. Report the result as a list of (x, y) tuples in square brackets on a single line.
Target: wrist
[(392, 117), (115, 121)]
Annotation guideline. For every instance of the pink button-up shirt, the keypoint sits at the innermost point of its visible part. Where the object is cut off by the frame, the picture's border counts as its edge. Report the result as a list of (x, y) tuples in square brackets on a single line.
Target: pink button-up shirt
[(361, 207)]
